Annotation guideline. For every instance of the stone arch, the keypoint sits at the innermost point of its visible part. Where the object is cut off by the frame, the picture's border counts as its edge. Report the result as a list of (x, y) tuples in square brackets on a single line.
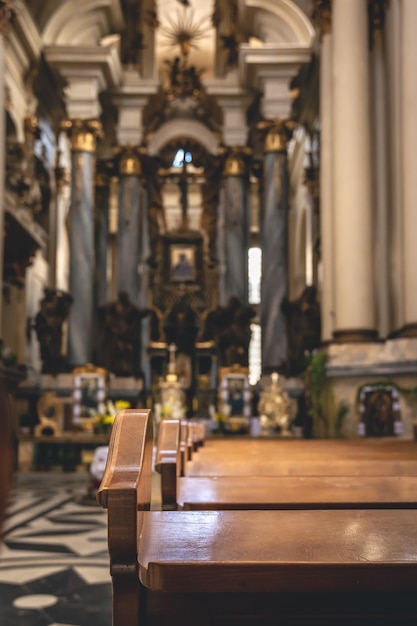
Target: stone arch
[(274, 21), (83, 19), (191, 129)]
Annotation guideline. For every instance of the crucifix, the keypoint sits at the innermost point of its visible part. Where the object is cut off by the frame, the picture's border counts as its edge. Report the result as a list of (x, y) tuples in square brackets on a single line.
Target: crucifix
[(183, 186)]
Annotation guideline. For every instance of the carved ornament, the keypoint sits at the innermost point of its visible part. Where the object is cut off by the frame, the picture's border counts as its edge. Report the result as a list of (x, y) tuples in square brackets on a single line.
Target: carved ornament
[(237, 162), (83, 134), (277, 133), (321, 16)]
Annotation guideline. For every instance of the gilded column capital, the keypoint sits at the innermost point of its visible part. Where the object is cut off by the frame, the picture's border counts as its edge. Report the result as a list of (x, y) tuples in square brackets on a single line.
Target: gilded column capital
[(83, 134), (321, 16), (276, 133), (237, 161), (7, 13), (129, 161)]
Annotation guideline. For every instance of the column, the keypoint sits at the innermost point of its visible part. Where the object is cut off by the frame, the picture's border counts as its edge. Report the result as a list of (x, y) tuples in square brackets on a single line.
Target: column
[(393, 33), (409, 104), (102, 189), (381, 153), (273, 237), (83, 135), (353, 252), (236, 225), (129, 228), (322, 20)]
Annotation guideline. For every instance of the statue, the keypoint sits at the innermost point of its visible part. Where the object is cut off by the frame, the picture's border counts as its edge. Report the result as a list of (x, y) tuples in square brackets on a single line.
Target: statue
[(210, 192), (120, 324), (230, 327), (303, 327), (54, 310), (181, 326)]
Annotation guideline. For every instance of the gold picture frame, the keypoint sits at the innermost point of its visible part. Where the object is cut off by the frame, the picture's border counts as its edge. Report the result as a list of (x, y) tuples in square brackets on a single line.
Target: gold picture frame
[(89, 395)]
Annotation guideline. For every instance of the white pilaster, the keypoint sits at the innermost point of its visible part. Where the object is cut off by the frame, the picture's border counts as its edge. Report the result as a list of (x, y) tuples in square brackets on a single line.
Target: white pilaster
[(87, 72), (409, 107), (130, 100), (233, 101), (394, 49), (381, 153), (270, 68), (326, 187), (354, 287)]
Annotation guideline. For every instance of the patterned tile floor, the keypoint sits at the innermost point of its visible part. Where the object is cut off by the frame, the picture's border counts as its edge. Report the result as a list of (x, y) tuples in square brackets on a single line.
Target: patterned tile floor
[(54, 568)]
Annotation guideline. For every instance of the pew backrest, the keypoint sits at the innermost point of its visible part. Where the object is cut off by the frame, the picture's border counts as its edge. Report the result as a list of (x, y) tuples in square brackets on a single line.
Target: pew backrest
[(168, 461)]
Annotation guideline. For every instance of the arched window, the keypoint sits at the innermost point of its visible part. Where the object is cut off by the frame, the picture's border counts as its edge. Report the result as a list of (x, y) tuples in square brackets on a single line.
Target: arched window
[(181, 156)]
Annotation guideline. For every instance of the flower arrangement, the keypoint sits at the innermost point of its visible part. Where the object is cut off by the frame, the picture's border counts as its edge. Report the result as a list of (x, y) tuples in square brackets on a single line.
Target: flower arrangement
[(104, 422)]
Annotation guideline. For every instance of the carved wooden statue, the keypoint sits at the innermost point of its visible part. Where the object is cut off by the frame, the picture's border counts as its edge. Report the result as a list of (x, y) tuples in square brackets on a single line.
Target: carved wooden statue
[(54, 310), (304, 329), (229, 326), (120, 323)]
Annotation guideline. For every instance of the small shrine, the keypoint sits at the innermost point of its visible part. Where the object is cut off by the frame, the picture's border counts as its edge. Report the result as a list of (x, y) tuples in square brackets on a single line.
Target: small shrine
[(275, 408), (171, 389)]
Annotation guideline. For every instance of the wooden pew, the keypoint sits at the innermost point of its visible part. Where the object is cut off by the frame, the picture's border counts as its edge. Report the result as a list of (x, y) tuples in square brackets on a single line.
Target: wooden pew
[(268, 457), (170, 459), (354, 489), (226, 568)]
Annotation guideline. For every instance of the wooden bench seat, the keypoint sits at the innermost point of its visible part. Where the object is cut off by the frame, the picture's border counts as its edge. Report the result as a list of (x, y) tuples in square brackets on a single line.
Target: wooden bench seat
[(357, 483), (226, 568), (301, 457), (296, 492)]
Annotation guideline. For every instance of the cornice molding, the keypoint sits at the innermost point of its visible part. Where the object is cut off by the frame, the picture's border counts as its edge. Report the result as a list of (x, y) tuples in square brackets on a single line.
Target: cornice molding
[(277, 59), (72, 61)]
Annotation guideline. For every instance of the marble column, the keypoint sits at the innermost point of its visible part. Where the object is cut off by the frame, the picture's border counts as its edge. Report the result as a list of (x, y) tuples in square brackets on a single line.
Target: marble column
[(102, 199), (128, 241), (273, 238), (236, 226), (353, 254), (381, 156), (83, 135), (145, 252), (409, 142)]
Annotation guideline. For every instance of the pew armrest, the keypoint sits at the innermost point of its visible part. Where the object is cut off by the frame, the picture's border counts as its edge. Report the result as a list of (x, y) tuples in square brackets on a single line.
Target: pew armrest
[(125, 489)]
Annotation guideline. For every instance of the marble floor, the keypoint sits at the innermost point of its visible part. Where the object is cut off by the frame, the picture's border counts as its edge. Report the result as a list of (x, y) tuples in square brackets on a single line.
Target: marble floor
[(54, 568)]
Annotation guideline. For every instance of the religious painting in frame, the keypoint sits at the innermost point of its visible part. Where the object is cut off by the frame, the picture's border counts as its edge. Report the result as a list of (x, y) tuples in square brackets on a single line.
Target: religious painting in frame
[(235, 394), (89, 394), (182, 254), (182, 262)]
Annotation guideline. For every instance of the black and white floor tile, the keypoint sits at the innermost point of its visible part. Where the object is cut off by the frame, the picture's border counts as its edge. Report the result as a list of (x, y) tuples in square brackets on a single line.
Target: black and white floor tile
[(54, 568)]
